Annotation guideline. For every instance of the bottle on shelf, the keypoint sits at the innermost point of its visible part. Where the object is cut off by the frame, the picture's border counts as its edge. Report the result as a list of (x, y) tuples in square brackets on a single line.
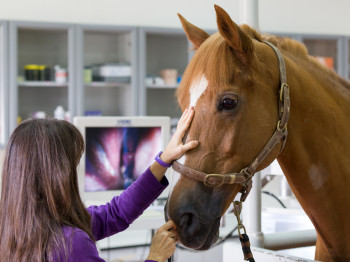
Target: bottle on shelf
[(59, 113), (60, 74)]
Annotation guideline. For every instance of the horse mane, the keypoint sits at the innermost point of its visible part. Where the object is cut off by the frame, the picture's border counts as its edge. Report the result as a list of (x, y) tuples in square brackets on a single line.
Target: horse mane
[(296, 50)]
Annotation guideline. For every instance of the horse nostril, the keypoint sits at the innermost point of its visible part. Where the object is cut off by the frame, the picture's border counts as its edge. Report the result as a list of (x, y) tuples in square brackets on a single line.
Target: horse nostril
[(189, 223)]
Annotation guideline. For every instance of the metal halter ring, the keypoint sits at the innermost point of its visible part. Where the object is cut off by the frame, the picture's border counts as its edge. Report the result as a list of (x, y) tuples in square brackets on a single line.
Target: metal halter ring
[(239, 226)]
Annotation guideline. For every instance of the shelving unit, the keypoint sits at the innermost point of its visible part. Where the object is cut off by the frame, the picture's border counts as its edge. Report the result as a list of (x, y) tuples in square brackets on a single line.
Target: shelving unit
[(38, 43), (101, 45), (3, 84), (159, 49)]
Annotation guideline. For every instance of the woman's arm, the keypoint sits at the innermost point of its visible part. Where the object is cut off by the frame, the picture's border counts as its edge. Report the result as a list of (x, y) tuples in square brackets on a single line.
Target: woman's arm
[(122, 210)]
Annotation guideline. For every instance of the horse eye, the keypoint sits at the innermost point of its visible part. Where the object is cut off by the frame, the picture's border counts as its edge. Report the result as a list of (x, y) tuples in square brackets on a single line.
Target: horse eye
[(228, 103)]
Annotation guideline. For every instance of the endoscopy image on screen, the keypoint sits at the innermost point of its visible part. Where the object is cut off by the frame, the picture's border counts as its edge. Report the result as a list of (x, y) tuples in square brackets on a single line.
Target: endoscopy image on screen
[(117, 156)]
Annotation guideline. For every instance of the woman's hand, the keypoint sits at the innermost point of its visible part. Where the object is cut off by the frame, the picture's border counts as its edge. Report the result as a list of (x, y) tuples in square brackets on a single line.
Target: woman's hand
[(175, 149), (163, 243)]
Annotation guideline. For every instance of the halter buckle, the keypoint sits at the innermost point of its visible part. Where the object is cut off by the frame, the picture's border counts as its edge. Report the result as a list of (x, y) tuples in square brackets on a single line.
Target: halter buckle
[(284, 85), (281, 129), (207, 177), (246, 173)]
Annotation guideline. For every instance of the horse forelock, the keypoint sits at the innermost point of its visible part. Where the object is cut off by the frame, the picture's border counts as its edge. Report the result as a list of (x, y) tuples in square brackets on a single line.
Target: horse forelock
[(215, 61)]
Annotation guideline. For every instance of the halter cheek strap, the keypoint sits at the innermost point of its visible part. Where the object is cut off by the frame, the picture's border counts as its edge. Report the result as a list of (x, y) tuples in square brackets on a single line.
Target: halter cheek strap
[(244, 177)]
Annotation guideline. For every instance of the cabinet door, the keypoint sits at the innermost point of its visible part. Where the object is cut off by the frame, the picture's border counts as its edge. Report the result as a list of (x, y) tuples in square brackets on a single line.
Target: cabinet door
[(326, 50), (107, 71), (164, 56), (42, 71), (3, 84)]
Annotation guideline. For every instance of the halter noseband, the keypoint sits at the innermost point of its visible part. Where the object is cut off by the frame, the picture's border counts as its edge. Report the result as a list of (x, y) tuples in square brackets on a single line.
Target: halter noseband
[(244, 178)]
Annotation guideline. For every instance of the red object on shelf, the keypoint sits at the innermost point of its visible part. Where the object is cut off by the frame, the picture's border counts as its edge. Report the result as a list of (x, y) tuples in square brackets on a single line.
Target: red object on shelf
[(326, 61)]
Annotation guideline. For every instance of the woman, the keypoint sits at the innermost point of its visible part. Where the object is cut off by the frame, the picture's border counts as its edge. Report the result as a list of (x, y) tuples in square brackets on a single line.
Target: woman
[(42, 216)]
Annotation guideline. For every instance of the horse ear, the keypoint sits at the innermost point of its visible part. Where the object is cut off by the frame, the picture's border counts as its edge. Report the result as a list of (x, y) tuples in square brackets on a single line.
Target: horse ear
[(236, 38), (196, 35)]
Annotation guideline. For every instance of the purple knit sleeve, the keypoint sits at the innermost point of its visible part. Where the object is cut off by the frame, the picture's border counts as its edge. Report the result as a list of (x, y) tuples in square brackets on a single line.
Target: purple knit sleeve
[(122, 210)]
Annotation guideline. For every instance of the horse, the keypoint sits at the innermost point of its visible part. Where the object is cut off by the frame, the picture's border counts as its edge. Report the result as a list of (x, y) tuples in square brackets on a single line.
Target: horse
[(234, 83)]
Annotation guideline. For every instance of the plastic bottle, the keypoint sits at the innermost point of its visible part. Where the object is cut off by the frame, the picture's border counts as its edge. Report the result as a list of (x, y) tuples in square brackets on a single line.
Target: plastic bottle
[(59, 113), (60, 74)]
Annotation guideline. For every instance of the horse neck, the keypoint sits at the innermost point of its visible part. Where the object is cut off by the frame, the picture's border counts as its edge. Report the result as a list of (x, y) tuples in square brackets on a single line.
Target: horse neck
[(316, 157)]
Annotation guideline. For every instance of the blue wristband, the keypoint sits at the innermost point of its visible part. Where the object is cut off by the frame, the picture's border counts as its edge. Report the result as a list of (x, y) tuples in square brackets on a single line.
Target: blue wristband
[(160, 161)]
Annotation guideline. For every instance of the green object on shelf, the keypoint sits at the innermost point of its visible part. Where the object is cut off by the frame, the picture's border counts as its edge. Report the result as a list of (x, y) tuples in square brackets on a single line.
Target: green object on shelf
[(87, 75)]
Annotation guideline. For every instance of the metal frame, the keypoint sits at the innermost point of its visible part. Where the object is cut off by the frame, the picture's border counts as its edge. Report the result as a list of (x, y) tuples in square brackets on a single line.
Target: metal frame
[(4, 89), (79, 58), (13, 61)]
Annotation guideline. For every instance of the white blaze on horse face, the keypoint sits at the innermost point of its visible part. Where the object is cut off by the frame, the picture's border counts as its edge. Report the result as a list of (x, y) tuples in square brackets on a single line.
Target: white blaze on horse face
[(197, 88)]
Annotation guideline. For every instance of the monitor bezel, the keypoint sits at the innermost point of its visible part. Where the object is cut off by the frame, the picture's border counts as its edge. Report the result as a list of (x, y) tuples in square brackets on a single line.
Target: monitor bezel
[(84, 122)]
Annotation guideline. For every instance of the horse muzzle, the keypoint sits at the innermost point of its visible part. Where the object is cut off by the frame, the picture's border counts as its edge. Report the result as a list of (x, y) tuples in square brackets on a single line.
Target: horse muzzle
[(196, 231)]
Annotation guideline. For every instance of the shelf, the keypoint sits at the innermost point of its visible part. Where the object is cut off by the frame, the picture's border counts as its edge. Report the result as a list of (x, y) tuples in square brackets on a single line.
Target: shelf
[(106, 84), (164, 86), (41, 84)]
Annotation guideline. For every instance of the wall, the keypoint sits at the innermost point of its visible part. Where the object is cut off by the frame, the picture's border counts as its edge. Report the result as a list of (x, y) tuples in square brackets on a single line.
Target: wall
[(292, 16)]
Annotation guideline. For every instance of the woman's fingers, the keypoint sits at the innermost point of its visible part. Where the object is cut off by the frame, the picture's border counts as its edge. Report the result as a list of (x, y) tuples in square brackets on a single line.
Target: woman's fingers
[(190, 145), (164, 242), (167, 226), (185, 115), (185, 122)]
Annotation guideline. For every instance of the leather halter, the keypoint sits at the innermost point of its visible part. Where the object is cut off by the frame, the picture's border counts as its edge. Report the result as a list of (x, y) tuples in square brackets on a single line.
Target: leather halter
[(244, 178)]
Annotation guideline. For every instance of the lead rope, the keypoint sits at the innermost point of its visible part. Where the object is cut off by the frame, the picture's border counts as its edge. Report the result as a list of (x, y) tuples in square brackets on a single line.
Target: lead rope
[(248, 255)]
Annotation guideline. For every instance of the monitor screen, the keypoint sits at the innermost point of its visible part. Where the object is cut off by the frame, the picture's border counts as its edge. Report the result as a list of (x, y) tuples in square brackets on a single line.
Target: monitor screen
[(117, 151), (117, 156)]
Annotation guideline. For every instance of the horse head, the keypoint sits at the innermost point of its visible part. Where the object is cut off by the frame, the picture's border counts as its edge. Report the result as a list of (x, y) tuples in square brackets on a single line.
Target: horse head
[(233, 83)]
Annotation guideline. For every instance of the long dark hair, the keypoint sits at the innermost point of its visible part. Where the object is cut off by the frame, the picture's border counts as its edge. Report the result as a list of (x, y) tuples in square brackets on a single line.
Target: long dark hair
[(39, 191)]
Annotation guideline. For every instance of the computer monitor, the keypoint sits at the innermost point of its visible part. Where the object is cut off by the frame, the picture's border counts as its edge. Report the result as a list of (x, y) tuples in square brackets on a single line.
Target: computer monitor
[(117, 151)]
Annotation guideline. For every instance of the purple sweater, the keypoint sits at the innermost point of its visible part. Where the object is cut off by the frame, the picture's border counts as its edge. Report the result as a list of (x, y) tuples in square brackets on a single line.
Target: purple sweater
[(113, 217)]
